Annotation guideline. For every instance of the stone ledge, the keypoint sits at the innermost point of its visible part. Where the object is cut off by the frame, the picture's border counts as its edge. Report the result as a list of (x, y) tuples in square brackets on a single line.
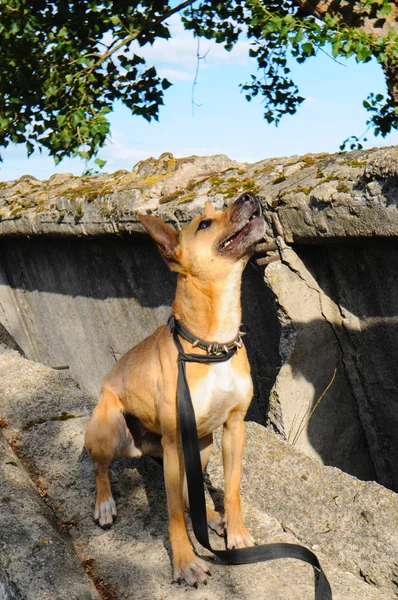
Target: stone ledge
[(37, 560), (318, 197)]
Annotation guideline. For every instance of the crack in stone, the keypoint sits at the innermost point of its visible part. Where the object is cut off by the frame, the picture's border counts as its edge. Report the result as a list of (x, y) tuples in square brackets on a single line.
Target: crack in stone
[(363, 409), (365, 413), (61, 417)]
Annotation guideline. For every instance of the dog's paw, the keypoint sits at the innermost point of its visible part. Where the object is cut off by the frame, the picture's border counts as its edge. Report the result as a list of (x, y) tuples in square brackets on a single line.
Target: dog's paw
[(239, 538), (216, 522), (105, 512), (192, 571)]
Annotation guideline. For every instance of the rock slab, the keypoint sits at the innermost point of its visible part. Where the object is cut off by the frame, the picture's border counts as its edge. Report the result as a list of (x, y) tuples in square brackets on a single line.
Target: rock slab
[(37, 559), (287, 496)]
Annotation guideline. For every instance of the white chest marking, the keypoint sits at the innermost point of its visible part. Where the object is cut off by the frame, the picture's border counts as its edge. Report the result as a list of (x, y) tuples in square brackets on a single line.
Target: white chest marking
[(220, 391)]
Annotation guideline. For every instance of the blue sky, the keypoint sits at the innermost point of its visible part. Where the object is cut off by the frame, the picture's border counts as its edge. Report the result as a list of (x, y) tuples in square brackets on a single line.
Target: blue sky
[(225, 122)]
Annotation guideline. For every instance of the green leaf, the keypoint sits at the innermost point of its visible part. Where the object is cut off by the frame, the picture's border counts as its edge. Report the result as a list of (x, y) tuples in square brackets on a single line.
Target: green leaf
[(101, 163), (75, 119), (385, 9), (30, 147), (307, 48)]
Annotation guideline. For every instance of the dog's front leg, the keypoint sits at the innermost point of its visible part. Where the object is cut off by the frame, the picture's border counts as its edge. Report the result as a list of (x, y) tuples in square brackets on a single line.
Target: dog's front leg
[(186, 565), (232, 445)]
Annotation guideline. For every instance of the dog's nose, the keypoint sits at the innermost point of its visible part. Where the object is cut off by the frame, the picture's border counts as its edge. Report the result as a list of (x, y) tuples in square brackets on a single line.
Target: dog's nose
[(247, 197)]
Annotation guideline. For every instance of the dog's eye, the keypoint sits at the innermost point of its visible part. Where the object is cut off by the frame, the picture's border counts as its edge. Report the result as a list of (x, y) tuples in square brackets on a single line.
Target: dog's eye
[(204, 224)]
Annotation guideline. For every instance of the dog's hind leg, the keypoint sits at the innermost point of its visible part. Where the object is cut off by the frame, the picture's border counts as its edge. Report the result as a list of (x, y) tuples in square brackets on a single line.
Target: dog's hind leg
[(106, 438)]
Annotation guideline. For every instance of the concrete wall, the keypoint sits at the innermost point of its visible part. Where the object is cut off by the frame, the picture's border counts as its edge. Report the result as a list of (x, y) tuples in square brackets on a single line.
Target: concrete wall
[(338, 307), (83, 303)]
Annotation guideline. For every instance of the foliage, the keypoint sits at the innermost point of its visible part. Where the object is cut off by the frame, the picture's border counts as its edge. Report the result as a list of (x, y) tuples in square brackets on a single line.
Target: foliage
[(64, 63), (278, 29)]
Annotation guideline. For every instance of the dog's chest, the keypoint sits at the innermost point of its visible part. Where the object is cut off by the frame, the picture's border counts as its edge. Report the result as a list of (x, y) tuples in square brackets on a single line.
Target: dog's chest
[(216, 394)]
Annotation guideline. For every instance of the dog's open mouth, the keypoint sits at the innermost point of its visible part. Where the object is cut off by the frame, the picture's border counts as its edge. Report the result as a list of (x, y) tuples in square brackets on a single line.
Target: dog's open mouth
[(230, 242)]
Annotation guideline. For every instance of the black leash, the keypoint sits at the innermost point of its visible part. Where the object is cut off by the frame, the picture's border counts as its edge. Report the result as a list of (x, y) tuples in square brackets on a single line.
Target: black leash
[(194, 474)]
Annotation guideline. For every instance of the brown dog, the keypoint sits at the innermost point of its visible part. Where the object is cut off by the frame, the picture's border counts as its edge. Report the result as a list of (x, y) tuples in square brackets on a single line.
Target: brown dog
[(209, 256)]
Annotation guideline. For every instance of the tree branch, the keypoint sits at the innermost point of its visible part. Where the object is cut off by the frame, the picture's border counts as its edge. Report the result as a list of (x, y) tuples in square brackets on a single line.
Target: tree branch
[(318, 8), (391, 74), (352, 16), (177, 9), (370, 24), (135, 34)]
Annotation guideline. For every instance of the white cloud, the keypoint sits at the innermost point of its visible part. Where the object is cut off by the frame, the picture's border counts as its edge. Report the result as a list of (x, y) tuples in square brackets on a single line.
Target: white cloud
[(117, 152), (314, 104), (181, 50), (175, 74), (178, 55)]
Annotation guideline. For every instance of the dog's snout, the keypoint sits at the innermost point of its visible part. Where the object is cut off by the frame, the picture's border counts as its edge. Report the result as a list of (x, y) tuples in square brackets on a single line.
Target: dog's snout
[(247, 197)]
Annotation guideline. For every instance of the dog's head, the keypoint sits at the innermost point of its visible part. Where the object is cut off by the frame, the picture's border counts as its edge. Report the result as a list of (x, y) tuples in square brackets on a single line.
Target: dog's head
[(210, 244)]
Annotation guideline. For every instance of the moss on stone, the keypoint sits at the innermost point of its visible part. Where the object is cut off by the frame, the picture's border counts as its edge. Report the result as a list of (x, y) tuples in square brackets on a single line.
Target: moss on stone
[(16, 211), (356, 163), (79, 211), (308, 161), (216, 181), (263, 170), (122, 172), (186, 198), (279, 179), (170, 197), (306, 190), (40, 206), (150, 180), (331, 177)]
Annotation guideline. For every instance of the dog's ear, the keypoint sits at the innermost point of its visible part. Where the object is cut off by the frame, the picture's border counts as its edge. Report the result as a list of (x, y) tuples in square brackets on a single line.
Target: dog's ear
[(166, 237), (209, 209)]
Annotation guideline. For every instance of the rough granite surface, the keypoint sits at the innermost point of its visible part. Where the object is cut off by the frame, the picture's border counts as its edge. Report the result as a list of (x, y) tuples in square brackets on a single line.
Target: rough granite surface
[(37, 558), (317, 196), (287, 496), (330, 303)]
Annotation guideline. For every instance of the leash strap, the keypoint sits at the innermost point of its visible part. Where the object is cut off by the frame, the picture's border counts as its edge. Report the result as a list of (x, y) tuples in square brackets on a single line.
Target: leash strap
[(196, 491)]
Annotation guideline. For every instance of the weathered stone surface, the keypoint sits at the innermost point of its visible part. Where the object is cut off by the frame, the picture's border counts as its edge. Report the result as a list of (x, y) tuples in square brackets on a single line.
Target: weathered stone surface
[(318, 197), (338, 310), (352, 522), (83, 303), (287, 497), (37, 560), (7, 340), (312, 356), (107, 204), (347, 522)]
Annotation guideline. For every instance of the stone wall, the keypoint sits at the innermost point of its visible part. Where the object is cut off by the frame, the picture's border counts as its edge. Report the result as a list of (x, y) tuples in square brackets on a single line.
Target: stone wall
[(82, 303), (80, 284)]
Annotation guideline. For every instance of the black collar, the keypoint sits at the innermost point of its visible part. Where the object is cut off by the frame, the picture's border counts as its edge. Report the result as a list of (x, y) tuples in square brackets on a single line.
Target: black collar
[(214, 348)]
